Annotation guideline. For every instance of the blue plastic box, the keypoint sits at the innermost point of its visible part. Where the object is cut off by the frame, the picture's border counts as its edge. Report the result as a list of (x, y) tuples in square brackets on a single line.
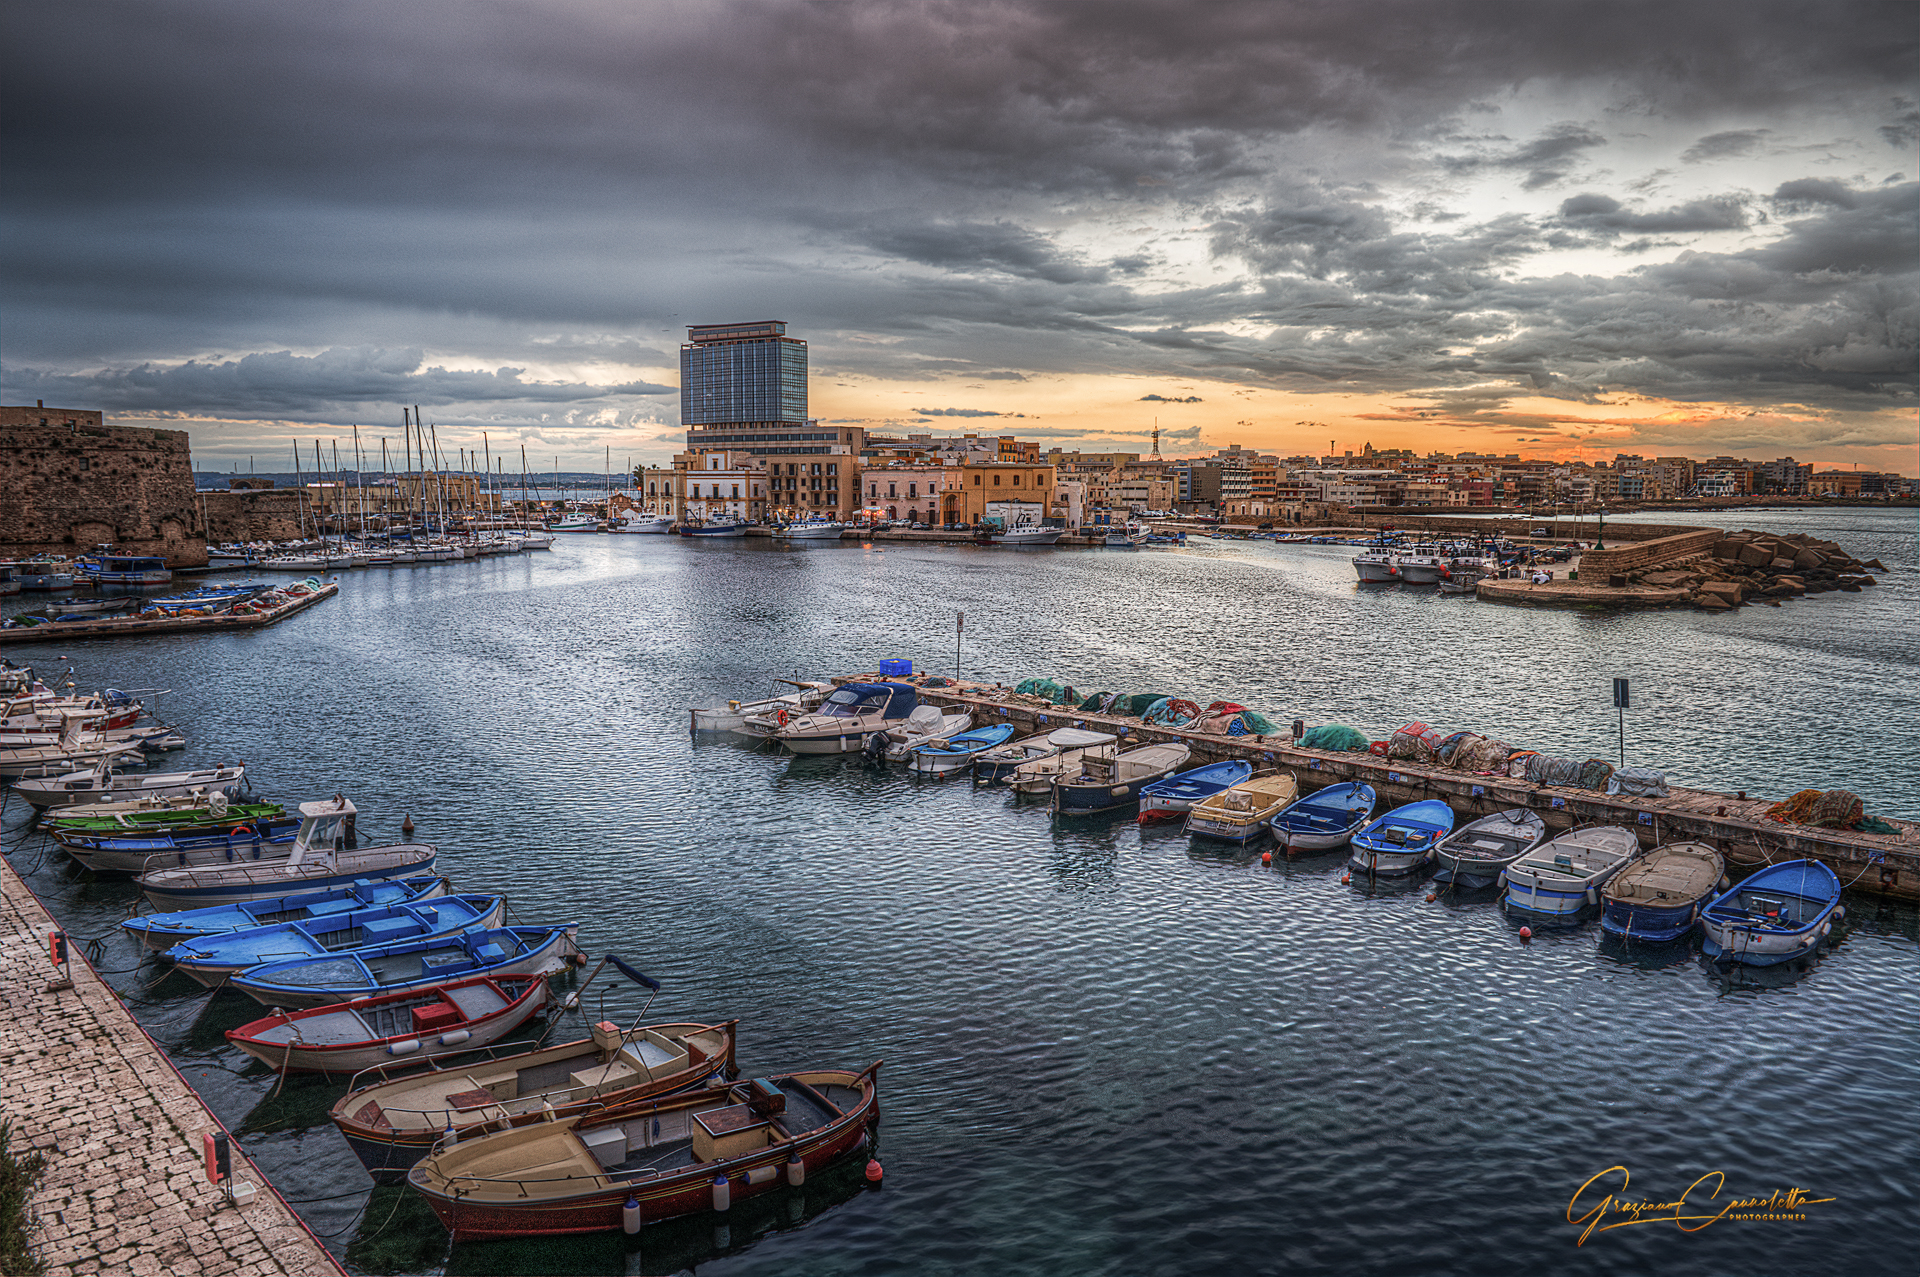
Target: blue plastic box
[(896, 669)]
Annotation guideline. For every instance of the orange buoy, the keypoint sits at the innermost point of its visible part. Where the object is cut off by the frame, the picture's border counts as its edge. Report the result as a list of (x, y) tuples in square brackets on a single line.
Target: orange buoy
[(406, 826), (1526, 934), (1345, 879), (873, 1170), (1432, 896), (1266, 857)]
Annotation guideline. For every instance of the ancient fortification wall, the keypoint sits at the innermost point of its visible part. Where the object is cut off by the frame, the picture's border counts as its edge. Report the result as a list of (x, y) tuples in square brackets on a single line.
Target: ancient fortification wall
[(69, 483), (254, 514)]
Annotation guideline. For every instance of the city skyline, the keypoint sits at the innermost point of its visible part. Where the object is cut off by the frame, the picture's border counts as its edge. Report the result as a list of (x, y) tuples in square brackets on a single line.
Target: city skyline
[(1564, 231)]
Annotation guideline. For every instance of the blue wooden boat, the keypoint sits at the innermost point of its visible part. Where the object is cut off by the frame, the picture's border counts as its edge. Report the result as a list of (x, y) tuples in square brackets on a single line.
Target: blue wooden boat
[(1171, 798), (956, 753), (1659, 895), (1402, 840), (1324, 819), (410, 964), (164, 930), (1779, 914), (145, 851), (211, 959)]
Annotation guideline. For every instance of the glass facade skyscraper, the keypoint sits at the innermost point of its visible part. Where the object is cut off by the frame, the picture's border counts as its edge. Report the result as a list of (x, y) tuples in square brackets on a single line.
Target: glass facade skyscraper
[(740, 374)]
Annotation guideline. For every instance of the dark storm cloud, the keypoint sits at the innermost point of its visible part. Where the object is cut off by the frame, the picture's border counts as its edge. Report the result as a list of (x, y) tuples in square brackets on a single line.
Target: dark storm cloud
[(1604, 213), (563, 182), (965, 412), (281, 383), (1728, 145), (1172, 399)]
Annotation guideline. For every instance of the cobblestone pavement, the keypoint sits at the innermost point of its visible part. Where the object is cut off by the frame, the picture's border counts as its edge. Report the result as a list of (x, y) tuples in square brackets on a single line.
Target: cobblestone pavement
[(124, 1190)]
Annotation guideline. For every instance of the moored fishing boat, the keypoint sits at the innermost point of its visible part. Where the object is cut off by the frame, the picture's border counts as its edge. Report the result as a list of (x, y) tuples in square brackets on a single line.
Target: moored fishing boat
[(1420, 566), (1325, 819), (1022, 533), (846, 718), (347, 1037), (763, 717), (1073, 745), (410, 964), (999, 762), (714, 528), (101, 784), (1561, 877), (925, 726), (816, 529), (1172, 798), (125, 569), (319, 860), (1113, 784), (196, 813), (1402, 841), (683, 1155), (1781, 913), (211, 959), (956, 753), (164, 930), (574, 523), (1240, 812), (1376, 566), (1659, 896), (1474, 855), (80, 743), (392, 1122)]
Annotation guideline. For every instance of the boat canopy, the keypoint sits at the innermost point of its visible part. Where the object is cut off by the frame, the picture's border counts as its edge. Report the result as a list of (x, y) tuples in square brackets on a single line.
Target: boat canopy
[(851, 700), (1078, 738)]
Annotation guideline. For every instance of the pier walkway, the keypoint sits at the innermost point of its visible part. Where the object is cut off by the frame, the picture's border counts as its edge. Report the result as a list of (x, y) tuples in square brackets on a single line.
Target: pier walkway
[(133, 626), (124, 1190), (1887, 864)]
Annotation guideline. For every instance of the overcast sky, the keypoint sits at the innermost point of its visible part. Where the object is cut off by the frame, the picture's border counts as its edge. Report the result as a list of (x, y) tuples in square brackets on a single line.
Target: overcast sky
[(1555, 229)]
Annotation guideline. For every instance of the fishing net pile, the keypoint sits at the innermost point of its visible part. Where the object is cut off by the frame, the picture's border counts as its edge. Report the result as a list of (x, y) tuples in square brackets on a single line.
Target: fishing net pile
[(1335, 738)]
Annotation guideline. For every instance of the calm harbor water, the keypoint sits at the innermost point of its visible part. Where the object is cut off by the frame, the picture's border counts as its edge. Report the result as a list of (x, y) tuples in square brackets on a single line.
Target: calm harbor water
[(1107, 1051)]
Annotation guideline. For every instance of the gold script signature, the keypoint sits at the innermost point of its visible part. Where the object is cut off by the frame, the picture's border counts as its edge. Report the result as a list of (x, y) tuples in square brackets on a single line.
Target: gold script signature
[(1599, 1207)]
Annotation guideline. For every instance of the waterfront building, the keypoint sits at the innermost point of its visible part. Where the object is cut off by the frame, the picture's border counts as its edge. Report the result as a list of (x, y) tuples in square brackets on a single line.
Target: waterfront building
[(903, 490), (968, 491)]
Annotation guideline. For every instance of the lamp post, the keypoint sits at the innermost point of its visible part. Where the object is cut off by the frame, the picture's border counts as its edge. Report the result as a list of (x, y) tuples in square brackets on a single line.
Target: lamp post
[(1600, 537)]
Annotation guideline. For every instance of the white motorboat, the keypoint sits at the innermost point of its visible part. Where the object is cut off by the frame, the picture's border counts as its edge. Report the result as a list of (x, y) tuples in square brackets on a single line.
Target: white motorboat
[(575, 523), (852, 713), (761, 718), (814, 530), (1025, 532), (1564, 876), (1421, 566), (536, 541), (927, 724), (1073, 746), (645, 524)]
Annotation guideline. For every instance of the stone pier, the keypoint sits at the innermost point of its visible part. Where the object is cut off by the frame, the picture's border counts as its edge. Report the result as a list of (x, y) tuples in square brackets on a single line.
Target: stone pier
[(123, 1190)]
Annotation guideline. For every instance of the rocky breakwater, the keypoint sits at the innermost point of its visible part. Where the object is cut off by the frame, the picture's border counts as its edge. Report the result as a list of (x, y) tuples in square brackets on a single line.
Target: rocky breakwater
[(1761, 568)]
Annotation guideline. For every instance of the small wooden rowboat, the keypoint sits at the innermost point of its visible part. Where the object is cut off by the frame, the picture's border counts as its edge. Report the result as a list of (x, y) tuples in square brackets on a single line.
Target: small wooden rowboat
[(211, 959), (350, 1036), (391, 1123), (956, 754), (1173, 797), (1475, 855), (686, 1155), (1779, 914), (1402, 841), (1324, 819), (1238, 813), (410, 965), (1659, 896), (1110, 784)]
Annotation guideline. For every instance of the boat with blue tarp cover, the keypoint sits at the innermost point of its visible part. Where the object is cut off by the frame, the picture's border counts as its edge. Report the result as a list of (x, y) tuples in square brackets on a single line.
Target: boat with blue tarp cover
[(164, 930), (1402, 841), (847, 717), (211, 959), (1170, 798), (1779, 914), (410, 964), (956, 753), (138, 852), (1325, 819), (1660, 895), (1564, 876)]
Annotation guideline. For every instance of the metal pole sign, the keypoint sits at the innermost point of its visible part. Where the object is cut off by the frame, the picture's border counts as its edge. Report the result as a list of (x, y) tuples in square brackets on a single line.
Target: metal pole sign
[(1620, 704), (959, 626)]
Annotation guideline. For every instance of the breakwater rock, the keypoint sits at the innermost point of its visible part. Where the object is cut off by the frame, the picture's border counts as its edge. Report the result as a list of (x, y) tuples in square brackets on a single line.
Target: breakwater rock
[(1759, 567)]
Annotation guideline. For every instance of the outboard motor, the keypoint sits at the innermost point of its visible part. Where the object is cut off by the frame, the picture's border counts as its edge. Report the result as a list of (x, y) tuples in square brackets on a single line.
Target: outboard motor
[(876, 746)]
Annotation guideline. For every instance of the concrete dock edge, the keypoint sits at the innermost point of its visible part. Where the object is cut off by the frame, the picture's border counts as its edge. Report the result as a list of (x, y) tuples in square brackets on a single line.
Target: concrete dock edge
[(124, 1190)]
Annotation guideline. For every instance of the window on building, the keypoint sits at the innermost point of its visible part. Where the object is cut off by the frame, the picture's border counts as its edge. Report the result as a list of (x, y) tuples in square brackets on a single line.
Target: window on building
[(976, 481), (873, 489), (892, 490), (1016, 479), (913, 490), (996, 481), (833, 467)]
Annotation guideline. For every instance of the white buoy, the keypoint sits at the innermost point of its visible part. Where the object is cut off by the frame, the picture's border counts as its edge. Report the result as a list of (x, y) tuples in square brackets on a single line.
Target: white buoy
[(796, 1171), (630, 1216), (722, 1193)]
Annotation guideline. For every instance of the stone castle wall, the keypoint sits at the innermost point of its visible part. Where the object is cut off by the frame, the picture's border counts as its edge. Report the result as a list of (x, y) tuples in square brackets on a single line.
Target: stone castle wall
[(69, 483), (254, 514)]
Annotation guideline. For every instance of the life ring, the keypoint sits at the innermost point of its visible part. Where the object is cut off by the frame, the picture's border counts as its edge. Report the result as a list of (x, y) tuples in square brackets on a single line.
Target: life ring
[(243, 831), (780, 716)]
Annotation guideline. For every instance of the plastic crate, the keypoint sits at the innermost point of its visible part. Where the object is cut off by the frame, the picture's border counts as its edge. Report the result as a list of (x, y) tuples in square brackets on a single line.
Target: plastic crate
[(896, 669)]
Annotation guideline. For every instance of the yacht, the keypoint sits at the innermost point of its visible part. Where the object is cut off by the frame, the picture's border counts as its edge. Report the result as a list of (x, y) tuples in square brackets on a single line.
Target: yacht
[(714, 528), (647, 523), (854, 712), (1024, 532), (815, 529), (1376, 566)]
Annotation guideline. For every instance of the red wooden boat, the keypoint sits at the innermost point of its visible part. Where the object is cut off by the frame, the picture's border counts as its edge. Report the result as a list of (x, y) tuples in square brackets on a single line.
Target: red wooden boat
[(347, 1037), (645, 1162)]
